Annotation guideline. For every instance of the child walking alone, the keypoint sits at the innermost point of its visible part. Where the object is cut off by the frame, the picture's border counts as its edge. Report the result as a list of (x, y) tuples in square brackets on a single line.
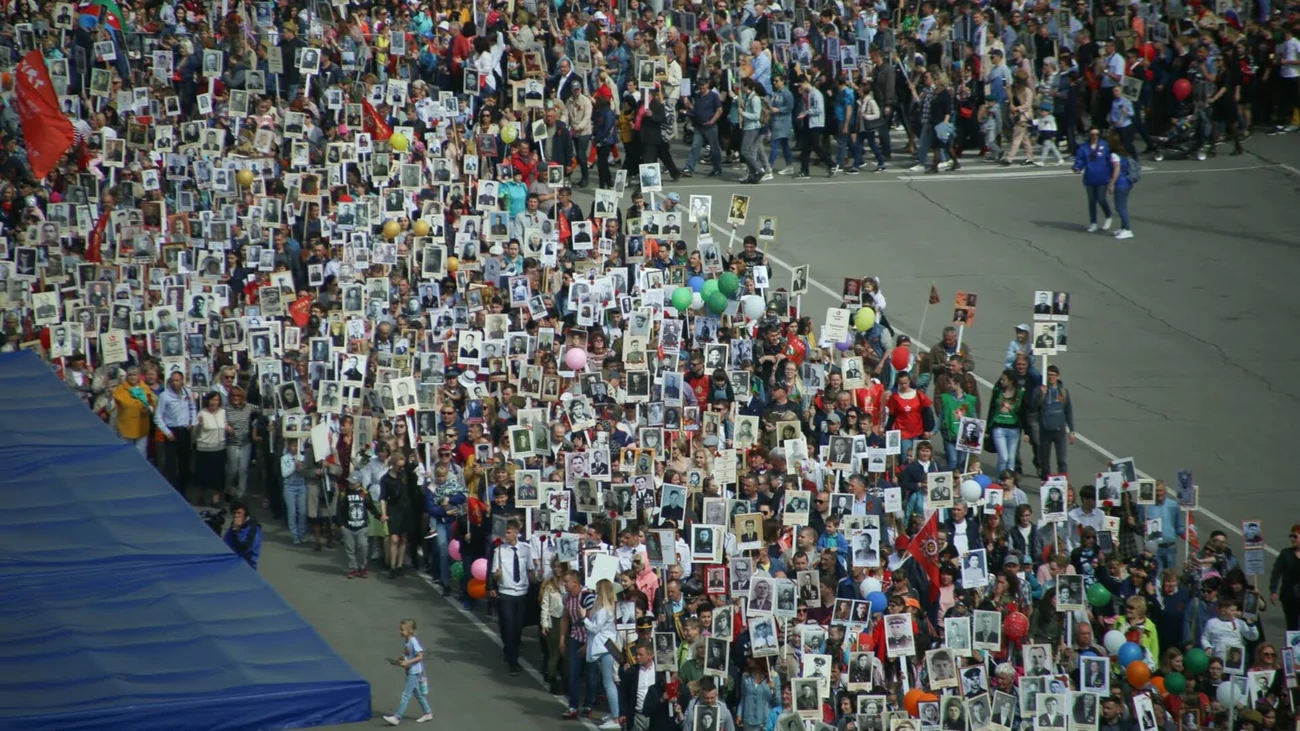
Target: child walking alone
[(1046, 125), (412, 661)]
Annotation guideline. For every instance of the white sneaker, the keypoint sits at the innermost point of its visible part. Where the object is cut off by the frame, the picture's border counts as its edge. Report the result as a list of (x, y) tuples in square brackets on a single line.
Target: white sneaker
[(1290, 128), (767, 176), (786, 170), (947, 165), (916, 169), (611, 724), (1123, 233), (1092, 228), (1105, 226), (425, 718), (392, 720)]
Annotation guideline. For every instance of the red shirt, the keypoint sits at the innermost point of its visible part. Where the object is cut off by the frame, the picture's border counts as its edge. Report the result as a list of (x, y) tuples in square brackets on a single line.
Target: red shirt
[(871, 400), (907, 414)]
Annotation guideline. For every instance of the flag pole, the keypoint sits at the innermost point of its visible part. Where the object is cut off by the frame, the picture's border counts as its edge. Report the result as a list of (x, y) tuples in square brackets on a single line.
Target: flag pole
[(920, 333)]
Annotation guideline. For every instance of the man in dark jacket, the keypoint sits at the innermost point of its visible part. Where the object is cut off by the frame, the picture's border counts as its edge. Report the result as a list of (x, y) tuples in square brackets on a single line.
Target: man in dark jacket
[(654, 134), (884, 89), (649, 711)]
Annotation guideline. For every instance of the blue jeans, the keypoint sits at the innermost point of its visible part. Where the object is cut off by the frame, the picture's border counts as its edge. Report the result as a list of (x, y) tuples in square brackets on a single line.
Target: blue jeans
[(412, 689), (579, 671), (1167, 556), (295, 506), (956, 460), (871, 138), (446, 533), (605, 666), (929, 137), (1096, 197), (705, 134), (1007, 441), (906, 446), (843, 147), (784, 145), (1121, 205)]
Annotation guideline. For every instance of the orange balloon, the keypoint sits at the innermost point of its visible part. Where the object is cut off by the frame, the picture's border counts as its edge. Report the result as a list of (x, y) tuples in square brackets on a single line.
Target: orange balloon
[(1159, 682), (1138, 674), (910, 701), (477, 588)]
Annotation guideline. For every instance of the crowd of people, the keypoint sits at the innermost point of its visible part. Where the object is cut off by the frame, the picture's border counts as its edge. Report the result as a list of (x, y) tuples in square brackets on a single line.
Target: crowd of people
[(332, 255)]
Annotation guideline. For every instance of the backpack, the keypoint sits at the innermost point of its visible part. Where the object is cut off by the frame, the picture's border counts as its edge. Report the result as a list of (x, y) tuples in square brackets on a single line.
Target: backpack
[(1132, 170)]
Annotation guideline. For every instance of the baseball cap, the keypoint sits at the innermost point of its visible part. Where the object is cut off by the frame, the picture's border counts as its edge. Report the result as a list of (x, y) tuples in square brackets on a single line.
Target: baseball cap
[(674, 197), (1022, 327), (1011, 560)]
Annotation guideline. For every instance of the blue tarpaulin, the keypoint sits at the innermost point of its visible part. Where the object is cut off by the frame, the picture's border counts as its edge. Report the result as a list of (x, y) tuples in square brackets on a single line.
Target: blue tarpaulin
[(119, 608)]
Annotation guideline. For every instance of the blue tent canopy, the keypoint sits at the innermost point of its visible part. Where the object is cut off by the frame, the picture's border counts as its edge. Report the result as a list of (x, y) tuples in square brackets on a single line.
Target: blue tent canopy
[(119, 607)]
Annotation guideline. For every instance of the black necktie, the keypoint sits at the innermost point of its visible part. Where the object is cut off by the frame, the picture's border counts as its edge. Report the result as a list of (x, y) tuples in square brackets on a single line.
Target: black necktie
[(516, 550)]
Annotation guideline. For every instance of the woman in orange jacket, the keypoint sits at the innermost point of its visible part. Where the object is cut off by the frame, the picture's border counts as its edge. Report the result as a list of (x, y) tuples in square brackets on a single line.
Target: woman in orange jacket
[(134, 406)]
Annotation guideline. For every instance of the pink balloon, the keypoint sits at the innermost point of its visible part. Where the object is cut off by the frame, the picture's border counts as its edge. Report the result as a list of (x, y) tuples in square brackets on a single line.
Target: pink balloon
[(453, 550), (479, 569), (575, 359)]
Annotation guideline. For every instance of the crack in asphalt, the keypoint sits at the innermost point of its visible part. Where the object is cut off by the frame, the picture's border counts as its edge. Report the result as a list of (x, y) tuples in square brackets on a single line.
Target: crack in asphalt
[(1223, 355)]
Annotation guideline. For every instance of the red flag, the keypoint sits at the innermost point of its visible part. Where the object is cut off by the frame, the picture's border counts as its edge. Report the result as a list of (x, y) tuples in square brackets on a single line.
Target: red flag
[(374, 123), (924, 548), (934, 295), (48, 133), (95, 243)]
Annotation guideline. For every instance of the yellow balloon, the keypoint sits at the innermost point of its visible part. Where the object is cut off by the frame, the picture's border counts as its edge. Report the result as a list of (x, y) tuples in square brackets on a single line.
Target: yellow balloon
[(509, 134), (421, 227), (865, 319), (398, 142), (453, 264), (392, 229), (244, 177)]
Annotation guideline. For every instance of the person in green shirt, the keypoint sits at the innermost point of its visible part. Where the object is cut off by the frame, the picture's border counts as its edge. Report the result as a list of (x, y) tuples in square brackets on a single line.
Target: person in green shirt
[(1004, 419), (953, 405)]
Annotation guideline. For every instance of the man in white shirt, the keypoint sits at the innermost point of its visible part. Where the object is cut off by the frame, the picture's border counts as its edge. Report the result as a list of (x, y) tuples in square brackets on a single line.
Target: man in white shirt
[(512, 574), (1288, 59), (1085, 516)]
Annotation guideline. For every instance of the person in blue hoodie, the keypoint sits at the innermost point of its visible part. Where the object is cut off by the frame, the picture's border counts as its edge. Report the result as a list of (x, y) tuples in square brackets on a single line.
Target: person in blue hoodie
[(1093, 159), (244, 536)]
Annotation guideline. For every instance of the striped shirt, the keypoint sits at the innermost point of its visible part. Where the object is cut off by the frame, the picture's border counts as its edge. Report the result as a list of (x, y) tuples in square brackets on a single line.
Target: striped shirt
[(573, 608), (240, 420)]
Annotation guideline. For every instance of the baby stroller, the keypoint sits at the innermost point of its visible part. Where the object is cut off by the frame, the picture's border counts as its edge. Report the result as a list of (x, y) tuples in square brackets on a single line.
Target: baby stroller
[(1188, 137)]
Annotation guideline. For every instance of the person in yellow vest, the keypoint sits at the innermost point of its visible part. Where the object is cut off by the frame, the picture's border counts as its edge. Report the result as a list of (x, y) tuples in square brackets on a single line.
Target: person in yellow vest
[(133, 413)]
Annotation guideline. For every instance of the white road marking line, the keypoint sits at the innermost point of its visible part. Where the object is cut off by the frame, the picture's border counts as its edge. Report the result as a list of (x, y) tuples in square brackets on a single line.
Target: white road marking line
[(496, 640), (1100, 450), (893, 176)]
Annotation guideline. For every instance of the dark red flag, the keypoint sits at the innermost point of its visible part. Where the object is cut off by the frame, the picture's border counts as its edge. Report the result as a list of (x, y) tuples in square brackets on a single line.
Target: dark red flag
[(375, 124), (924, 549), (48, 132)]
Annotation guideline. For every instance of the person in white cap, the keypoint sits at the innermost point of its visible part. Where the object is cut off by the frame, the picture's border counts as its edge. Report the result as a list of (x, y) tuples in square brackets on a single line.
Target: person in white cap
[(1020, 344)]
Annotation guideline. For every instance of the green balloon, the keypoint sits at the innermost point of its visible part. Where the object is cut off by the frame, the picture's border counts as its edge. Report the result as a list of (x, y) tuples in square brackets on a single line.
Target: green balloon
[(728, 283), (1195, 662), (1176, 682), (710, 287), (457, 571), (682, 298), (1098, 595), (716, 302)]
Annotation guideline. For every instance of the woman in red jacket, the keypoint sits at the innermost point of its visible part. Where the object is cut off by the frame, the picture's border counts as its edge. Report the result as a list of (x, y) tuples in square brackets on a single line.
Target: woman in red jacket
[(910, 412)]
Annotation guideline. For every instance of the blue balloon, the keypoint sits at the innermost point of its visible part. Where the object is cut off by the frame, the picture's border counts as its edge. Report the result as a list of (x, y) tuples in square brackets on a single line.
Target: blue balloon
[(1128, 652), (984, 480), (696, 283), (878, 601)]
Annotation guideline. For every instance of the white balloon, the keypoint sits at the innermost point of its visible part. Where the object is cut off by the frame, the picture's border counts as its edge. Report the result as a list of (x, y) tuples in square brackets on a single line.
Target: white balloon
[(971, 491), (696, 301), (870, 585), (1113, 640), (753, 306), (1226, 694)]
